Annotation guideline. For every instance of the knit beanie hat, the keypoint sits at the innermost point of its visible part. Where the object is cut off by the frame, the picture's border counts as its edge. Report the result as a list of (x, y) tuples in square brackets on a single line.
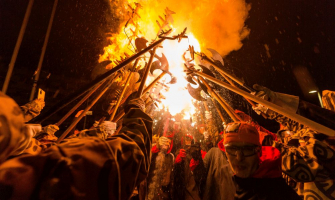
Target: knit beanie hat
[(241, 132)]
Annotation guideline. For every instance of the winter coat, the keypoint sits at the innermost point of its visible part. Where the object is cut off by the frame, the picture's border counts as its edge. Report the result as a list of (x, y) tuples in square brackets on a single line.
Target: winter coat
[(263, 189), (266, 183), (86, 168), (219, 182)]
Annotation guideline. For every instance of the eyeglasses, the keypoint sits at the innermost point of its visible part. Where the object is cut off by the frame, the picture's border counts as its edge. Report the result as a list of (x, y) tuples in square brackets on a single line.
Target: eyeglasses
[(246, 151)]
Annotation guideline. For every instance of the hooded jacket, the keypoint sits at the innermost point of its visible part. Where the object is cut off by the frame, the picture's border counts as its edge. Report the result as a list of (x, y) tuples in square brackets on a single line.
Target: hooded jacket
[(88, 168)]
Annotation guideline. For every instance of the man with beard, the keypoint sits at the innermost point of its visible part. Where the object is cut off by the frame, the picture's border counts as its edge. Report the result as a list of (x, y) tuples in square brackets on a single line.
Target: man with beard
[(257, 169)]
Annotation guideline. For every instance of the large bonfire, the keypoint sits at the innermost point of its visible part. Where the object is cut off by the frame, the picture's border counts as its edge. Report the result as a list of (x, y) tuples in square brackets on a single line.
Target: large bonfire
[(216, 24)]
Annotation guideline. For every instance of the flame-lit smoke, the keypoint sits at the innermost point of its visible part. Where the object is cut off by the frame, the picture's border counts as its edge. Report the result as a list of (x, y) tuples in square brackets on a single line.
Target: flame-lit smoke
[(216, 24), (210, 24)]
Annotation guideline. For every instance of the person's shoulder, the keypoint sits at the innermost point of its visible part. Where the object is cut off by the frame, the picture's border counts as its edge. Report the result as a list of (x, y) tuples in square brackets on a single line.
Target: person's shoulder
[(214, 153), (214, 150)]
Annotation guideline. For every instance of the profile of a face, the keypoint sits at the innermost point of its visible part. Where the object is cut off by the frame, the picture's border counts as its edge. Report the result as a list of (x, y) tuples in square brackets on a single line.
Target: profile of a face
[(243, 158)]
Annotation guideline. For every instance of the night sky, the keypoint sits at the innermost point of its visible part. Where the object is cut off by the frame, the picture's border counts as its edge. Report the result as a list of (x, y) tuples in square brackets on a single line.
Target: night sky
[(286, 37)]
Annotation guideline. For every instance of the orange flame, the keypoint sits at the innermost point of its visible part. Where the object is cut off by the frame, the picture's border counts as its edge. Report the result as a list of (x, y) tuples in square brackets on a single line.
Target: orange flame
[(216, 24)]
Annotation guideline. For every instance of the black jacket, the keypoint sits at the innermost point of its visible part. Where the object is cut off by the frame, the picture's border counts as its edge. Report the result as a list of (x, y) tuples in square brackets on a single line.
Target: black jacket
[(263, 189)]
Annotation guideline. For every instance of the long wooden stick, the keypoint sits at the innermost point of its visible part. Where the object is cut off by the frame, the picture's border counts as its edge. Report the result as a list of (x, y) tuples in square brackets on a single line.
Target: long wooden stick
[(123, 91), (120, 97), (61, 104), (75, 122), (206, 106), (224, 75), (229, 107), (17, 46), (145, 74), (218, 110), (78, 104), (221, 101), (121, 114), (232, 83), (295, 117), (219, 69), (118, 129), (44, 47), (154, 82)]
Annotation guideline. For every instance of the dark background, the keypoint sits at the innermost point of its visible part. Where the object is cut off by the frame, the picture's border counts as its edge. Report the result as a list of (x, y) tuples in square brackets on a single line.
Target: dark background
[(298, 34)]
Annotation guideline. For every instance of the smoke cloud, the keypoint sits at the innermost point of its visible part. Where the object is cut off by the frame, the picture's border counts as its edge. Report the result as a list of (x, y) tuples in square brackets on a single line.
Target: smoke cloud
[(217, 24)]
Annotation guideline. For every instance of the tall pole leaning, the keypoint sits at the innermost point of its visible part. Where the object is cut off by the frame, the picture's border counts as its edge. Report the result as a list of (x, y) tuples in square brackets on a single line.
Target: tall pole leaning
[(40, 62), (295, 117), (17, 46), (61, 104)]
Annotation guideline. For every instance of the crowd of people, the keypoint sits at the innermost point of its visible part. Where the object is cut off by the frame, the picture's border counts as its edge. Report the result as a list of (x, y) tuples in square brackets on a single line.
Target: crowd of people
[(245, 161)]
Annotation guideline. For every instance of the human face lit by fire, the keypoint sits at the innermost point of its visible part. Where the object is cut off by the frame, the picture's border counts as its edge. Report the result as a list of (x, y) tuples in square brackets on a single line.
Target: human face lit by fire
[(188, 141), (244, 158)]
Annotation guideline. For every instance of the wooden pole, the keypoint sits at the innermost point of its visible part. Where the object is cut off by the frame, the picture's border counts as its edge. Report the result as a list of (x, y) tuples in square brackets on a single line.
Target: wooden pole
[(75, 122), (222, 103), (218, 110), (123, 91), (154, 82), (232, 83), (17, 46), (61, 104), (145, 74), (295, 117), (46, 39), (229, 107), (222, 71), (78, 104), (121, 114), (206, 106)]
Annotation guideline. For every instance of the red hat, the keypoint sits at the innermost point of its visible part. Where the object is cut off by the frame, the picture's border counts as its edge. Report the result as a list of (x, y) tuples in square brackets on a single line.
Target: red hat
[(241, 132), (189, 136)]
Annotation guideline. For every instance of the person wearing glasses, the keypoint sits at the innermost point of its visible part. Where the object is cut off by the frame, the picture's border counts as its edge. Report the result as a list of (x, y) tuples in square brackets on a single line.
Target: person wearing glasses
[(257, 169)]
